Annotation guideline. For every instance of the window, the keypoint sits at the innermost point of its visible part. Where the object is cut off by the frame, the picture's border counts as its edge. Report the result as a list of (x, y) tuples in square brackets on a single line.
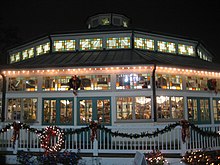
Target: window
[(42, 49), (167, 47), (0, 108), (65, 45), (198, 110), (22, 109), (28, 53), (16, 57), (169, 107), (22, 84), (142, 43), (116, 43), (216, 108), (94, 109), (133, 81), (91, 44), (133, 108), (196, 83), (186, 49), (1, 84), (58, 111), (169, 81), (105, 21), (88, 82)]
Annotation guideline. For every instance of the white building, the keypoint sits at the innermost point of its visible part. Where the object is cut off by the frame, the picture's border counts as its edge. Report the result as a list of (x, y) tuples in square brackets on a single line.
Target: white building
[(131, 81)]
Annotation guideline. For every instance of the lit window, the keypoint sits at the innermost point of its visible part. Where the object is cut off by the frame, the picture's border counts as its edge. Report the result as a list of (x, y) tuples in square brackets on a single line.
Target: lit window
[(42, 49), (17, 57), (133, 81), (133, 108), (186, 49), (12, 58), (22, 84), (65, 45), (91, 44), (22, 109), (216, 108), (169, 107), (105, 21), (168, 47), (28, 53), (196, 83), (142, 43), (169, 81), (115, 43)]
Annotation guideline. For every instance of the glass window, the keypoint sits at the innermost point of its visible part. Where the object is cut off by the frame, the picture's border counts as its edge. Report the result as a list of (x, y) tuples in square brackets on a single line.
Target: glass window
[(49, 116), (105, 21), (91, 109), (66, 114), (216, 108), (168, 47), (186, 49), (142, 43), (24, 109), (91, 44), (88, 82), (169, 81), (116, 43), (16, 57), (1, 84), (28, 53), (169, 107), (42, 49), (198, 110), (196, 83), (133, 108), (132, 81), (12, 58), (22, 84), (64, 45)]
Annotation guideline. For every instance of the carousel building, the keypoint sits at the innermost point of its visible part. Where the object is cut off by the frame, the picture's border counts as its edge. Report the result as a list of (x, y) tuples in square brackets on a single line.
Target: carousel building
[(129, 80)]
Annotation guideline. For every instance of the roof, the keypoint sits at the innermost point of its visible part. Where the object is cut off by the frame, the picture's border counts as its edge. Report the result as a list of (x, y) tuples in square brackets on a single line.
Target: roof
[(112, 58)]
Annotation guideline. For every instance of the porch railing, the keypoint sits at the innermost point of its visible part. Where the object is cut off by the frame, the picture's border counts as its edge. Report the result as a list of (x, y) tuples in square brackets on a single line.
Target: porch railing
[(168, 142)]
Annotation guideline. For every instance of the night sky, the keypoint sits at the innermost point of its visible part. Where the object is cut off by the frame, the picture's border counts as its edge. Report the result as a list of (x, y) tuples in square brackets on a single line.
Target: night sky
[(189, 18)]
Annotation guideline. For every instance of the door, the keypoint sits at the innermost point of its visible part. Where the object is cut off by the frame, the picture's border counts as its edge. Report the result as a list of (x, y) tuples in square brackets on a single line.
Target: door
[(94, 109), (199, 110)]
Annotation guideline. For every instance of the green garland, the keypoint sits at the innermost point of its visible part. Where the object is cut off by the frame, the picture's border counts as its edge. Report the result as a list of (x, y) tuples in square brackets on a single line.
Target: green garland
[(116, 133)]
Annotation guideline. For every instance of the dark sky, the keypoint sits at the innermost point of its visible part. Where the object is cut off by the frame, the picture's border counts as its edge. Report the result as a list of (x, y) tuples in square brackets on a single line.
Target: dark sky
[(190, 18)]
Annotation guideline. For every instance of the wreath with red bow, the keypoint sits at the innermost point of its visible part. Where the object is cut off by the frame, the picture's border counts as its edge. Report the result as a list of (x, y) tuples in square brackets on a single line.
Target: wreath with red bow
[(47, 143)]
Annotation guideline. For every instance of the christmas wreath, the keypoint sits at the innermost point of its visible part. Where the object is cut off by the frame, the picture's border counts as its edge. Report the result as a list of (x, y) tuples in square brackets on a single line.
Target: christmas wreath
[(48, 144)]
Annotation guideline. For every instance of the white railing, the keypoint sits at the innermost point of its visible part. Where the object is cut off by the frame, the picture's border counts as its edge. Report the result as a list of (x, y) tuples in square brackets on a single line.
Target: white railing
[(168, 142)]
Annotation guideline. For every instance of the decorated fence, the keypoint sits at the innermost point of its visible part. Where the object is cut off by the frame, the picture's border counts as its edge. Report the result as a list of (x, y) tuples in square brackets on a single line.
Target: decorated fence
[(173, 138)]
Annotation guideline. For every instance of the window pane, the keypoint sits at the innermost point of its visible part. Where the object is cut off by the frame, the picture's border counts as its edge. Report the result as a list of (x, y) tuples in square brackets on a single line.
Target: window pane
[(115, 43), (169, 81), (163, 107), (85, 111), (192, 110), (90, 44), (216, 108), (142, 108), (124, 108), (196, 83), (42, 49), (132, 81), (49, 111), (15, 84), (177, 107), (167, 47), (103, 111), (66, 111), (142, 43), (14, 109), (186, 49), (30, 109)]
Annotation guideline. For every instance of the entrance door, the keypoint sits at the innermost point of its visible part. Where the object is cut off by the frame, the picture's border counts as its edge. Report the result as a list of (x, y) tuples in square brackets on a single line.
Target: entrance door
[(91, 109), (199, 110)]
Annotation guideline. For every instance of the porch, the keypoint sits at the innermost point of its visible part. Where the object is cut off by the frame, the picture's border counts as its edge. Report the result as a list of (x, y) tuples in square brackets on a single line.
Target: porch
[(116, 139)]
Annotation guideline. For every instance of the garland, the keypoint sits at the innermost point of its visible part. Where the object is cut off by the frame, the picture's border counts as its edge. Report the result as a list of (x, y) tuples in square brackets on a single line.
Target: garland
[(94, 126)]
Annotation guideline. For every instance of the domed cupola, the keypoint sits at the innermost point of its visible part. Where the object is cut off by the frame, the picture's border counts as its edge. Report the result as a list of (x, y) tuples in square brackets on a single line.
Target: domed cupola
[(107, 20)]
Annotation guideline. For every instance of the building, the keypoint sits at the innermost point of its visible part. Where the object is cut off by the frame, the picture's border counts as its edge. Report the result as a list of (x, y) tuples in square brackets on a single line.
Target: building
[(131, 81)]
